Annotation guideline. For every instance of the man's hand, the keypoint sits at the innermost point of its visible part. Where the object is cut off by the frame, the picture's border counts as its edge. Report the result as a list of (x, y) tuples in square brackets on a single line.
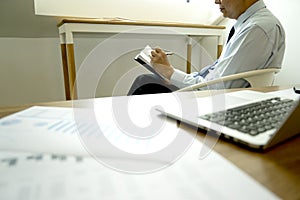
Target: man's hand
[(160, 63)]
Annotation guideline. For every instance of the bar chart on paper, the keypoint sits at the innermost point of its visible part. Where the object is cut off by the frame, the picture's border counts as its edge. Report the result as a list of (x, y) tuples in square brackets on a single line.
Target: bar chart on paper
[(45, 129), (54, 129), (42, 119)]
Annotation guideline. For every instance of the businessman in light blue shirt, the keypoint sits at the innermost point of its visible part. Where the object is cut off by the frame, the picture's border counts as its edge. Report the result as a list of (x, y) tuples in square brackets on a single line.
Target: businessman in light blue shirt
[(257, 41)]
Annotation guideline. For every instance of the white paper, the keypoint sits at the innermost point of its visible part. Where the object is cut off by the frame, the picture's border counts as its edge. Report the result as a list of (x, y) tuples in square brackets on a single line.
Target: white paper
[(52, 176), (75, 175)]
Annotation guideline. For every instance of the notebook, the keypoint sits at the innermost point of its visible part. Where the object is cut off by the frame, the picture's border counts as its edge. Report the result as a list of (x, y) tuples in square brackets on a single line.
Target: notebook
[(254, 119), (145, 60)]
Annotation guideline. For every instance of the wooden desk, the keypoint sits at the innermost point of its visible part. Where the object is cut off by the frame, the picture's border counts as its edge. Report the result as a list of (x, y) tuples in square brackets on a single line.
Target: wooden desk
[(278, 169), (69, 26)]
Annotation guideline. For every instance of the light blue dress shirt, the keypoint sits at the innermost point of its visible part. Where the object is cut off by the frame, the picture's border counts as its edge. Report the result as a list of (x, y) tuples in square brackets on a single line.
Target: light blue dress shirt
[(258, 43)]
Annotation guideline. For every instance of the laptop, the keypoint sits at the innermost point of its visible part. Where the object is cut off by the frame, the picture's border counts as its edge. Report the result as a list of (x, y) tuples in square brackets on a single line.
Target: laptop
[(255, 119)]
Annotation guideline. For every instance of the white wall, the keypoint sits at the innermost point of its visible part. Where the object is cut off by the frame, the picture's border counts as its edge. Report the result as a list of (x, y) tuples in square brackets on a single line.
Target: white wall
[(289, 15), (30, 70)]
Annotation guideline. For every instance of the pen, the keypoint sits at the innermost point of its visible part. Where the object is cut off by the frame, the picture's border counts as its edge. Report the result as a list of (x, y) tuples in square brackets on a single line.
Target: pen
[(168, 53)]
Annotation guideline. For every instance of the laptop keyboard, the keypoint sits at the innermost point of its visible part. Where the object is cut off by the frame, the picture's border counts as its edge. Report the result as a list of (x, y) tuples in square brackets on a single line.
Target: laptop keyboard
[(254, 118)]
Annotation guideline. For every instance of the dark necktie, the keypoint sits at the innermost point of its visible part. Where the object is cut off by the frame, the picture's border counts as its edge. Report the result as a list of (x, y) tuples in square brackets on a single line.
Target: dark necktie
[(230, 34)]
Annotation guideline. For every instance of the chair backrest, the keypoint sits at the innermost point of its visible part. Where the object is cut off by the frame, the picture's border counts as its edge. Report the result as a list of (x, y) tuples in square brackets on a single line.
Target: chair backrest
[(256, 78), (262, 77)]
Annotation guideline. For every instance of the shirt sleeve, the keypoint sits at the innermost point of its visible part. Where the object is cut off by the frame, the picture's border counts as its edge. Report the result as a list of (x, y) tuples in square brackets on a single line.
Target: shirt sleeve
[(181, 79)]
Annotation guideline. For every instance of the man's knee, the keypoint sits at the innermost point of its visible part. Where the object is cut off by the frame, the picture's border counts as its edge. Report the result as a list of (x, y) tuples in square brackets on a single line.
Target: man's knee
[(147, 79), (149, 84)]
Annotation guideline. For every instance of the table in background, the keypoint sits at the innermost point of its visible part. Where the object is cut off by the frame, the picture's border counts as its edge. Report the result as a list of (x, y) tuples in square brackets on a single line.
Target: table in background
[(69, 26), (278, 168)]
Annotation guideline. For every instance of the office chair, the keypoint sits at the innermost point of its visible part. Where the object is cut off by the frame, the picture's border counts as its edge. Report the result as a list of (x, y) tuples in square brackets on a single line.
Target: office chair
[(256, 78)]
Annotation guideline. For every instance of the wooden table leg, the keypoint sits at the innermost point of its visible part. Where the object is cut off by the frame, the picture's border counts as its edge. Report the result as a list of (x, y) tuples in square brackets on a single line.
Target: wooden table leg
[(68, 62), (71, 71), (65, 70), (189, 56), (220, 48)]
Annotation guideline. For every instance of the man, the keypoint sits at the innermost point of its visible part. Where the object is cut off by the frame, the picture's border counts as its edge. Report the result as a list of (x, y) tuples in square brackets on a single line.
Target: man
[(258, 42)]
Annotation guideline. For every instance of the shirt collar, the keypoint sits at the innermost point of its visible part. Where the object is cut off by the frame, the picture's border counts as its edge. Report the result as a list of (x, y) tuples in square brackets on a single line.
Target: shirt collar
[(249, 12)]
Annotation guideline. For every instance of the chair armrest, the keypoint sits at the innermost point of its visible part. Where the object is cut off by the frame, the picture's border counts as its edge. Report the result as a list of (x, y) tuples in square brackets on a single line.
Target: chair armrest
[(243, 75)]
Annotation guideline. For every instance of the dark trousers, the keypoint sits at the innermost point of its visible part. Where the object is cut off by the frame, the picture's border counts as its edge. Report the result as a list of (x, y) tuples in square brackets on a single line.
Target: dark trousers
[(150, 84)]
